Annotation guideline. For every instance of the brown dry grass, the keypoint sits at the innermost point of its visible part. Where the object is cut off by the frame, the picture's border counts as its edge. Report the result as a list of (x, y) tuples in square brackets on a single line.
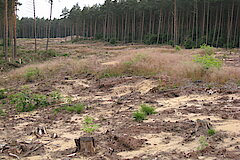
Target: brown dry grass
[(152, 61), (178, 67), (52, 69), (223, 75)]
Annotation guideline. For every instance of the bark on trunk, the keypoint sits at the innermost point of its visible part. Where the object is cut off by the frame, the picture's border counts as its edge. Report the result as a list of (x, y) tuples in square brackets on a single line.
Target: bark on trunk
[(6, 29)]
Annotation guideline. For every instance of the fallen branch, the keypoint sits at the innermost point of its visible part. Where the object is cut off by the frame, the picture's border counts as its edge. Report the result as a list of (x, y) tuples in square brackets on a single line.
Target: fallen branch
[(39, 146), (13, 155), (72, 155)]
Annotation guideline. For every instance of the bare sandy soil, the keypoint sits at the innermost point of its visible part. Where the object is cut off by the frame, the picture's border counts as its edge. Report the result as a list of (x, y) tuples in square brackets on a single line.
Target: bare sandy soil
[(170, 134)]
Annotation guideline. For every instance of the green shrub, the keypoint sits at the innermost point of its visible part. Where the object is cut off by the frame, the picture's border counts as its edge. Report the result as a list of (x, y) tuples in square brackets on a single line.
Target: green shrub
[(189, 44), (135, 59), (178, 48), (51, 53), (112, 41), (150, 39), (208, 50), (56, 96), (202, 143), (208, 61), (48, 53), (26, 101), (64, 55), (2, 113), (32, 74), (4, 101), (98, 36), (139, 116), (89, 126), (76, 108), (211, 132), (146, 109), (2, 93)]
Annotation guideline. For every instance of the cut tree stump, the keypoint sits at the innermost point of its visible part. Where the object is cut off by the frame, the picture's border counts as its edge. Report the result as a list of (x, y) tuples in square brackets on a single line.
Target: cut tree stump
[(85, 145)]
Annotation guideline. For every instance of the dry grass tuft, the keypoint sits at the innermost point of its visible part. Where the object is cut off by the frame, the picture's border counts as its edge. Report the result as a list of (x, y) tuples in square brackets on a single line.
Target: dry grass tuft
[(177, 67), (223, 75), (50, 69), (174, 65)]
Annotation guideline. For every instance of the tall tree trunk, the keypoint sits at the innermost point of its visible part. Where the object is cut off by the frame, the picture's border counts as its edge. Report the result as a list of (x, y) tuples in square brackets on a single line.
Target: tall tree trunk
[(215, 28), (159, 25), (235, 30), (49, 24), (65, 31), (153, 24), (142, 30), (204, 17), (230, 25), (219, 25), (133, 25), (10, 27), (207, 29), (150, 22), (35, 26), (104, 27), (125, 28), (6, 29), (196, 9), (14, 31), (175, 21), (95, 28)]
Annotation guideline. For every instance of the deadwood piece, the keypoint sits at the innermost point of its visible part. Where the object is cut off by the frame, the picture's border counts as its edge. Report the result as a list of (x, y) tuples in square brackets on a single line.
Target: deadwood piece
[(202, 126), (33, 150), (39, 132), (13, 155), (85, 145)]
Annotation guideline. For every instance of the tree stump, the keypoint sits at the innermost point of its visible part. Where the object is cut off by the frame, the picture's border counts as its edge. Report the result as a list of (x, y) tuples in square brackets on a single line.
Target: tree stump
[(85, 145)]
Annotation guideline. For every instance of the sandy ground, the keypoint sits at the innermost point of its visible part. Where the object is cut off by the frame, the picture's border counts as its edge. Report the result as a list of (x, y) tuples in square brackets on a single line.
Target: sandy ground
[(169, 134)]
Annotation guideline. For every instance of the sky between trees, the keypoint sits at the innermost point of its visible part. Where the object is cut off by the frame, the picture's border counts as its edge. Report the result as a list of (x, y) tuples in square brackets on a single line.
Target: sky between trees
[(42, 7)]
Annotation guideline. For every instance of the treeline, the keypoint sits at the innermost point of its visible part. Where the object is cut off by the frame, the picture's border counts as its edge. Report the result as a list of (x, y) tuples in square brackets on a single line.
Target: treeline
[(8, 33), (177, 22)]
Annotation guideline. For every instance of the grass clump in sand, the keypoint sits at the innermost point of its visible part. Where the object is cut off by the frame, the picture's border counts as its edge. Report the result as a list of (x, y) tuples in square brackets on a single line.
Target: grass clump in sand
[(76, 108), (143, 112)]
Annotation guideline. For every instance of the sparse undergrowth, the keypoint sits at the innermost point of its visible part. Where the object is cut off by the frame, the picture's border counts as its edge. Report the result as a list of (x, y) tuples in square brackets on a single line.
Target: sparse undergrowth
[(26, 101), (202, 143), (143, 112), (50, 69), (3, 93), (211, 132), (147, 109), (208, 50), (32, 74), (208, 61), (178, 48), (176, 67), (139, 116), (76, 108), (89, 125)]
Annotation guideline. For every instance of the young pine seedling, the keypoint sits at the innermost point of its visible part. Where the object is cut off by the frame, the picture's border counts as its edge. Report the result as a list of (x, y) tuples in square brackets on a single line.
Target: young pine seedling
[(139, 116), (202, 143), (89, 126), (211, 132), (147, 109)]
